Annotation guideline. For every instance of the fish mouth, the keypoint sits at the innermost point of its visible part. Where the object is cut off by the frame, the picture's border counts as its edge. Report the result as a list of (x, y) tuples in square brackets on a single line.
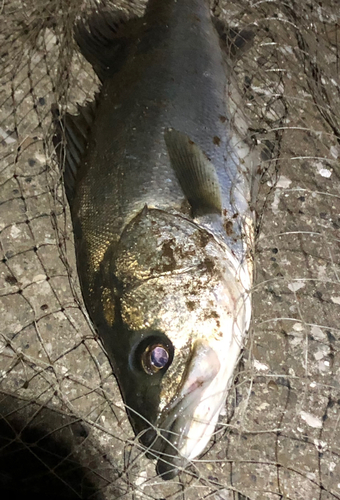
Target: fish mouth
[(184, 427)]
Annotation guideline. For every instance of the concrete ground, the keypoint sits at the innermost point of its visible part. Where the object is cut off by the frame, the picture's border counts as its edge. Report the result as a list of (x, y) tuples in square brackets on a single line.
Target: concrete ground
[(63, 428)]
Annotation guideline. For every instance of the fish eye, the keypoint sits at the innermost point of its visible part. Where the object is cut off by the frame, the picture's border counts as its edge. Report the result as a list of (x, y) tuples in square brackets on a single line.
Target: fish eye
[(152, 353), (154, 358)]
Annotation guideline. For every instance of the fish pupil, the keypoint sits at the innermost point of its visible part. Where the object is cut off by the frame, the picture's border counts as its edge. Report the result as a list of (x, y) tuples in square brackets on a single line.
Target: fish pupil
[(159, 357), (153, 354)]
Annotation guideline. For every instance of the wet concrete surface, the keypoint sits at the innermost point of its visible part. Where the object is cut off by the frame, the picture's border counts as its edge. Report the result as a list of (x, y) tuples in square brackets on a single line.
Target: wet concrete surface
[(62, 418)]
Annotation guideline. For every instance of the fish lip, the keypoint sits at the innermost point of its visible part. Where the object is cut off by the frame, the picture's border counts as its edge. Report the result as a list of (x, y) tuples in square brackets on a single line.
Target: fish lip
[(165, 441), (163, 444), (173, 434), (170, 437)]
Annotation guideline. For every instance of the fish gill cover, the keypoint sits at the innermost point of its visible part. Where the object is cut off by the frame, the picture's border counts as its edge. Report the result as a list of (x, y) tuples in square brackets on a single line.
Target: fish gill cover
[(63, 426)]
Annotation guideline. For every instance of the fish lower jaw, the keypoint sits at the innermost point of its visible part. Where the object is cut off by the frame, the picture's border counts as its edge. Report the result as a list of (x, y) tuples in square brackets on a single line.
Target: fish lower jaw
[(191, 452)]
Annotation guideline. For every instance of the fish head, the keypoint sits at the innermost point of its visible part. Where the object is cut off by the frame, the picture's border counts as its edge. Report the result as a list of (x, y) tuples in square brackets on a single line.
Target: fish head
[(183, 312)]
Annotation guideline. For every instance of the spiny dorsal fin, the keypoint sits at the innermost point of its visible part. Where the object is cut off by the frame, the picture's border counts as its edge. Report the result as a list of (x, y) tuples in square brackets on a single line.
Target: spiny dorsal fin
[(104, 39), (195, 172), (70, 141)]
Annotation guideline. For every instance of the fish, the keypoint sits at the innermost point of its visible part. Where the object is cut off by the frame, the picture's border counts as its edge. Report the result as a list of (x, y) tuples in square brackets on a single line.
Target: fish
[(159, 184)]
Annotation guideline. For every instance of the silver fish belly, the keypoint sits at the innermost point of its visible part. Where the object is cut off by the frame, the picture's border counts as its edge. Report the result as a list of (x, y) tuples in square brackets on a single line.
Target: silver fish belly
[(159, 186)]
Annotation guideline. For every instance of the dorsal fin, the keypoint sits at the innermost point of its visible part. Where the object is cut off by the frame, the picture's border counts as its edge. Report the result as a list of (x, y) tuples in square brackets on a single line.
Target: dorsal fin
[(195, 173), (104, 39), (70, 141)]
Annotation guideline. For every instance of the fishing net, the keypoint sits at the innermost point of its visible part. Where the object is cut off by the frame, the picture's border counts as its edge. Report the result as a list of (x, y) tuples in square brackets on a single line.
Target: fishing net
[(63, 428)]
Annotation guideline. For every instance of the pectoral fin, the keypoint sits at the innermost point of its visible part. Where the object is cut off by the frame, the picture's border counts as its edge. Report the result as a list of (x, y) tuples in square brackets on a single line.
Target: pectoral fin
[(195, 173)]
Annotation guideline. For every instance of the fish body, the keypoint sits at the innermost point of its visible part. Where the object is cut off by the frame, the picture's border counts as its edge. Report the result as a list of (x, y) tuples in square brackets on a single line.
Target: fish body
[(159, 200)]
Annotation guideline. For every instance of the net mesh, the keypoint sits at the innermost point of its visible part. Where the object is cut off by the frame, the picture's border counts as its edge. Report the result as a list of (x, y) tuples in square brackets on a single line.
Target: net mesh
[(63, 427)]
